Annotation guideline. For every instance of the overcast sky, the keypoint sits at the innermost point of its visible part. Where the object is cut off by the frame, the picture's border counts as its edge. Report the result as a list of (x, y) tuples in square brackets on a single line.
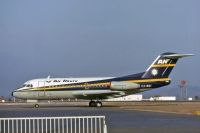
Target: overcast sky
[(95, 38)]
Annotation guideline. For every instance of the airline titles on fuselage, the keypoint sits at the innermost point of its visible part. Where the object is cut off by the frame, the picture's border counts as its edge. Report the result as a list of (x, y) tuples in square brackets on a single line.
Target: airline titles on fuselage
[(64, 80)]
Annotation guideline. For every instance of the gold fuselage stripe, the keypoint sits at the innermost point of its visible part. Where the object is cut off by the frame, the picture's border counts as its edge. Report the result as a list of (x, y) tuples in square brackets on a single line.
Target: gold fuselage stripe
[(149, 80), (165, 65)]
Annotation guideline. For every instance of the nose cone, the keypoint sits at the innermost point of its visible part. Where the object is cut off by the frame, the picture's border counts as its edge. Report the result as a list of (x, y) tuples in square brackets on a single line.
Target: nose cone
[(14, 93), (17, 94), (21, 94)]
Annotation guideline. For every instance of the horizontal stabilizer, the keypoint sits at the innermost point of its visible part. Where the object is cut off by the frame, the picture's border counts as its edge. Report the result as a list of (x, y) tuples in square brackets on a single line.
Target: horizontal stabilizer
[(176, 56)]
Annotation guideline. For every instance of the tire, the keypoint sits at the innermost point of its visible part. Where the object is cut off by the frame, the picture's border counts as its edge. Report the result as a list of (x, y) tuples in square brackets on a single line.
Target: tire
[(36, 106), (98, 104), (92, 104)]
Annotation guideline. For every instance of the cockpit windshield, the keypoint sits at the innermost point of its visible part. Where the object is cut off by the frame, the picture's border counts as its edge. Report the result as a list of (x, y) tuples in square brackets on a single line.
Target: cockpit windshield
[(27, 85)]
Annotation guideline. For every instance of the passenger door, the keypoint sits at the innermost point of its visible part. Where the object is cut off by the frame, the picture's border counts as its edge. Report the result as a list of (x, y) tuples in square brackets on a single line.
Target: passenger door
[(41, 84)]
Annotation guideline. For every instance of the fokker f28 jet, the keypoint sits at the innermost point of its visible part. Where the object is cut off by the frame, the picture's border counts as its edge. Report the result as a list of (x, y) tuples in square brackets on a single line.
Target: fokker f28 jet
[(96, 89)]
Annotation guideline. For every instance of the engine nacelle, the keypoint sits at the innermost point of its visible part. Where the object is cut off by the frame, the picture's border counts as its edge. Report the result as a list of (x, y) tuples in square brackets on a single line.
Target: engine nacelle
[(121, 86)]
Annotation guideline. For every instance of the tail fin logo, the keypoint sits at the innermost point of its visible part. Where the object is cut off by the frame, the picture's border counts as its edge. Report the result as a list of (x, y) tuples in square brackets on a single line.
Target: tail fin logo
[(154, 72), (163, 61)]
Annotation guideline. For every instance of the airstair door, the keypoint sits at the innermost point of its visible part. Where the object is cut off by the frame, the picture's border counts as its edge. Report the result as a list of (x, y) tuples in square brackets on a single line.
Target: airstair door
[(41, 85)]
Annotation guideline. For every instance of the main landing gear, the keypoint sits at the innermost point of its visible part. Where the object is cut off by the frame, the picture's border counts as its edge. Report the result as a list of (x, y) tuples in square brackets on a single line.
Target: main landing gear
[(36, 106), (95, 104)]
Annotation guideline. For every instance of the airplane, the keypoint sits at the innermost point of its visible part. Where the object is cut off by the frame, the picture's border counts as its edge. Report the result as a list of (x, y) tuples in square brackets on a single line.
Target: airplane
[(97, 89)]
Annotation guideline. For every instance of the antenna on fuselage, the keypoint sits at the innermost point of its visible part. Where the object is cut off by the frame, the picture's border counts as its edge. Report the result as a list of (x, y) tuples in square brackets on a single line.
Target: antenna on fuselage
[(49, 77)]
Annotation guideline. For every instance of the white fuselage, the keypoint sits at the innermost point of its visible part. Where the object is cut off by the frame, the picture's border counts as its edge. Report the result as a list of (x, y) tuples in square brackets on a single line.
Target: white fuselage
[(27, 91)]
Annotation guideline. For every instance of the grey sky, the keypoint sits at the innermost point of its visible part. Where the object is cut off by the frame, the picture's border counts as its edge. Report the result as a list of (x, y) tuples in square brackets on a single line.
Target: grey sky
[(95, 38)]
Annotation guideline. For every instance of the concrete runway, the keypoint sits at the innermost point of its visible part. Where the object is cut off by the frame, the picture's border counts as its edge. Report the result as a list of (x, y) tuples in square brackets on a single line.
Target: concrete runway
[(118, 120)]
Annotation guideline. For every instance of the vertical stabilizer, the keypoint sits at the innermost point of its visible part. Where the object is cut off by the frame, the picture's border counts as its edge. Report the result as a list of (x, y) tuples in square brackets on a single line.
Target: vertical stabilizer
[(163, 65)]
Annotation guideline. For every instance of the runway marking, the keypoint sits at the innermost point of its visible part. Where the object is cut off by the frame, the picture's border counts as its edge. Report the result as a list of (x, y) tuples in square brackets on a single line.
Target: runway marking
[(157, 111)]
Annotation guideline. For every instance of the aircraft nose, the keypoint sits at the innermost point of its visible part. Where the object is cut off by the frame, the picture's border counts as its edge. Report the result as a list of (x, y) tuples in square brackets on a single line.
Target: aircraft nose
[(13, 94), (19, 94)]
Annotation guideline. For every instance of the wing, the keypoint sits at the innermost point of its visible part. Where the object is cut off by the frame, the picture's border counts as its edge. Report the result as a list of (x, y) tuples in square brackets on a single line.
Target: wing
[(101, 94)]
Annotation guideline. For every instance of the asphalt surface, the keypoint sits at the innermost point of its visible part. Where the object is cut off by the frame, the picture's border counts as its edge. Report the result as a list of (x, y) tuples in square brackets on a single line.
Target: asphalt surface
[(118, 120)]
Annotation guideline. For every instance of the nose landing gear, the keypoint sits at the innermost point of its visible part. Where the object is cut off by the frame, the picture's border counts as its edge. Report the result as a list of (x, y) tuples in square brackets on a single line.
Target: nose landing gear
[(95, 104)]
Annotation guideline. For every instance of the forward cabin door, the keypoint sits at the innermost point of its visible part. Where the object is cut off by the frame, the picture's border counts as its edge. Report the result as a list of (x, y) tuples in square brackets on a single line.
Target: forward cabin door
[(41, 93)]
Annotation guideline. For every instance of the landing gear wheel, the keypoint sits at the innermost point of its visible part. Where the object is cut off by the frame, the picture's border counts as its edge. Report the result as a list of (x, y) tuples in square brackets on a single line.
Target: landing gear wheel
[(92, 104), (36, 106), (95, 104), (98, 104)]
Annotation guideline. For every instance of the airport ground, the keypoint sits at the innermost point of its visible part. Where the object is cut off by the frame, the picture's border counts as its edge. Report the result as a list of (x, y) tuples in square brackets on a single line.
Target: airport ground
[(121, 117), (177, 107), (181, 107)]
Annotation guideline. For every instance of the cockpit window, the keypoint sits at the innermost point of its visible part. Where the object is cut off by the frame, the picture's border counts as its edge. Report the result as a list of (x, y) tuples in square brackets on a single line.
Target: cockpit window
[(24, 85), (27, 85)]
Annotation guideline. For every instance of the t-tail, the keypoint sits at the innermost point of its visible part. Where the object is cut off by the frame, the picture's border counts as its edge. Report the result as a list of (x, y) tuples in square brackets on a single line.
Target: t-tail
[(163, 65)]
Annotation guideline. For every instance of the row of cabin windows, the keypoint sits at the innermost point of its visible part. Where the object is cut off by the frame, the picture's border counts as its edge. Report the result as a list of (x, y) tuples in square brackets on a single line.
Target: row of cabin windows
[(95, 86)]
